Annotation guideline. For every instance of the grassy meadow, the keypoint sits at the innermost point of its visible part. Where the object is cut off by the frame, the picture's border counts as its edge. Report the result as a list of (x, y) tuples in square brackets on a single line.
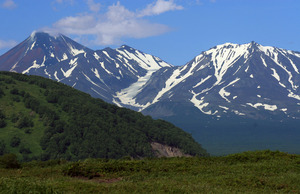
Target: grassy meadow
[(248, 172)]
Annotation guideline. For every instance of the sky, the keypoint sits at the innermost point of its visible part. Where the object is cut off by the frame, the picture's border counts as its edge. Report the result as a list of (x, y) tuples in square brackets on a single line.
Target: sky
[(174, 30)]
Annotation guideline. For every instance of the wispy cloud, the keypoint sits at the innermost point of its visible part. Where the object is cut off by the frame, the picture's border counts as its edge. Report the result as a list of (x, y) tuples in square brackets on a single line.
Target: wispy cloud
[(95, 7), (117, 23), (4, 44), (64, 1), (9, 4), (159, 7)]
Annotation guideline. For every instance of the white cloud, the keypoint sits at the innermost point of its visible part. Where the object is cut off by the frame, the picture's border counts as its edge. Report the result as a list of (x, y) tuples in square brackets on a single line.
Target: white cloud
[(115, 24), (4, 44), (63, 1), (159, 7), (9, 4), (95, 7)]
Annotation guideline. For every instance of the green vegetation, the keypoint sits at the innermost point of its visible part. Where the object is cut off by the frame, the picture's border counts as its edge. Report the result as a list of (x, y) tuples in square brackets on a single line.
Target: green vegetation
[(249, 172), (42, 119)]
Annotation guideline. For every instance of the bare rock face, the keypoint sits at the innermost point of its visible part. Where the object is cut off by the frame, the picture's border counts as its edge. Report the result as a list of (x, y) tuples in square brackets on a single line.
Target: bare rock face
[(161, 150)]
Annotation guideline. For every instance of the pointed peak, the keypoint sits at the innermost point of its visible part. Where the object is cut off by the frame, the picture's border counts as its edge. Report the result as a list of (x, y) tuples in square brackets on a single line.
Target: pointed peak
[(124, 46), (253, 43), (36, 35), (32, 35), (42, 34)]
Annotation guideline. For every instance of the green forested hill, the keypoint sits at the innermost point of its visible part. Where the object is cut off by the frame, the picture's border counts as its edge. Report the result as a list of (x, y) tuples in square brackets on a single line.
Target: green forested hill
[(43, 119)]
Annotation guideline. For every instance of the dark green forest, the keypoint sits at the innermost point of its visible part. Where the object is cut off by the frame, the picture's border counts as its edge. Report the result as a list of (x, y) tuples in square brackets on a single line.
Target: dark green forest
[(41, 119)]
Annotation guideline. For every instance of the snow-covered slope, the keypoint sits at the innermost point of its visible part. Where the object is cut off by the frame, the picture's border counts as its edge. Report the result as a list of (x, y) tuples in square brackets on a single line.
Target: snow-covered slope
[(247, 80), (102, 73)]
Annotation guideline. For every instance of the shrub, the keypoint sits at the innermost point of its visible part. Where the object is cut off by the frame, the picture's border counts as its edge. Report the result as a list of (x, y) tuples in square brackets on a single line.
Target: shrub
[(23, 122), (9, 161), (15, 141), (2, 120), (14, 91), (2, 148), (24, 150), (1, 93), (2, 123), (16, 98)]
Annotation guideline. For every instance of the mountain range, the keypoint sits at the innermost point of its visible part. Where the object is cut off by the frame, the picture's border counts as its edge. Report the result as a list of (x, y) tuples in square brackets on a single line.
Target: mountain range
[(230, 92)]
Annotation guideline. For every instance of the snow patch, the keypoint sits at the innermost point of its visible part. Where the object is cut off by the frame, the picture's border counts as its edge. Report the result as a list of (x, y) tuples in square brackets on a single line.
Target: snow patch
[(55, 75), (75, 51), (224, 107), (292, 95), (173, 80), (223, 93), (73, 61), (33, 44), (103, 67), (238, 113), (98, 93), (200, 104), (65, 57), (95, 71), (275, 75), (89, 79), (96, 56), (223, 57), (69, 71), (13, 67), (266, 106), (126, 96), (264, 62), (145, 61), (34, 66), (48, 74), (246, 70), (202, 81)]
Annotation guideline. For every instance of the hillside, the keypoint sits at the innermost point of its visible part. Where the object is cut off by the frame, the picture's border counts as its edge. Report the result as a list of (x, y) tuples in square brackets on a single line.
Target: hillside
[(43, 119)]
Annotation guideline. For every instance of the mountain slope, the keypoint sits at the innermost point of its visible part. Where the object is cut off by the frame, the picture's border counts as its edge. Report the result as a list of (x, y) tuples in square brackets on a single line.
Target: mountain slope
[(100, 73), (248, 80), (233, 98), (43, 119)]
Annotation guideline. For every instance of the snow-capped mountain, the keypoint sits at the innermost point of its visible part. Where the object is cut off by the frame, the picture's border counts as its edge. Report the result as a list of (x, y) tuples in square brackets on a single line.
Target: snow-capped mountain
[(248, 80), (100, 73)]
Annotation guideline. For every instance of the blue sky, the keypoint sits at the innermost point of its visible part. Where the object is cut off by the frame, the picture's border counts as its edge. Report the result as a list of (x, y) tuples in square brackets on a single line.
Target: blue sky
[(174, 30)]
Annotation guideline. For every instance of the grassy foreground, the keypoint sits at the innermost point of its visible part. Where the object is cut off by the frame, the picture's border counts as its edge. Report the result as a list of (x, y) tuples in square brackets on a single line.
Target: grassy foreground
[(249, 172)]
